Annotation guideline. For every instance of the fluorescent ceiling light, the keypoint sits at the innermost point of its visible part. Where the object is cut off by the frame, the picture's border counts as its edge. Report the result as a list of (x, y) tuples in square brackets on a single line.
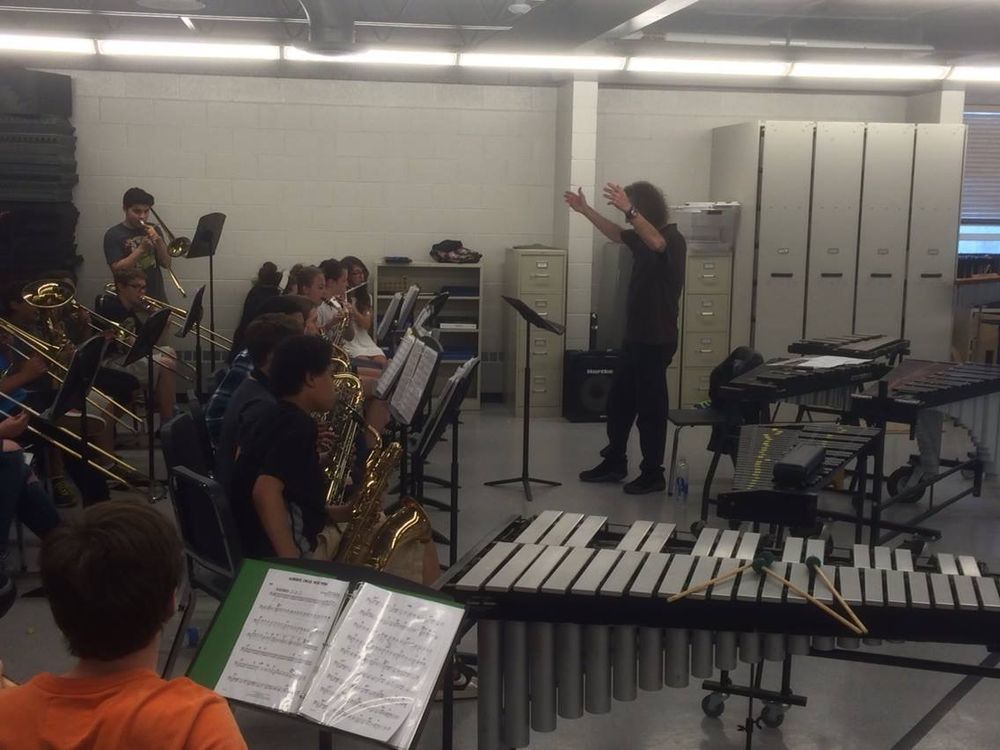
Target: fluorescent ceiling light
[(150, 48), (377, 56), (708, 67), (31, 43), (541, 62), (975, 73), (883, 72)]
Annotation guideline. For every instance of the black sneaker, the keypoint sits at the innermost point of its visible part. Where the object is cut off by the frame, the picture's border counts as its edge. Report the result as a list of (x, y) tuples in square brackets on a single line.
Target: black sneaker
[(8, 593), (606, 471), (63, 492), (646, 483)]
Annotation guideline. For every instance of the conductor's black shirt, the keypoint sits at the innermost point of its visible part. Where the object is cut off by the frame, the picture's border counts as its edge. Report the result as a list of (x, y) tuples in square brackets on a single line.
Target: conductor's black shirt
[(654, 289)]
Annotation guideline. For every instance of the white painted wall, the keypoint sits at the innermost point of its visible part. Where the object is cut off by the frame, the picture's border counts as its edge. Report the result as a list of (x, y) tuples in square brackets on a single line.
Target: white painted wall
[(310, 169)]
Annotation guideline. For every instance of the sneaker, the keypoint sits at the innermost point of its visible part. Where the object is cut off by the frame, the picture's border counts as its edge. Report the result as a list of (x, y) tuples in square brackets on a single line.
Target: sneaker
[(63, 493), (606, 471), (8, 593), (646, 483)]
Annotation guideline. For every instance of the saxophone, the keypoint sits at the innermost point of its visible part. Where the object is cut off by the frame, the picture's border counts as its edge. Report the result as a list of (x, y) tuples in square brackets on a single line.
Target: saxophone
[(365, 542), (342, 422)]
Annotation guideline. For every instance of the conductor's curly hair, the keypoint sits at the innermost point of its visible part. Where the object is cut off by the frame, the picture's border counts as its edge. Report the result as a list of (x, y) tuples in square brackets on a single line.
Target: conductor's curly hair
[(648, 201)]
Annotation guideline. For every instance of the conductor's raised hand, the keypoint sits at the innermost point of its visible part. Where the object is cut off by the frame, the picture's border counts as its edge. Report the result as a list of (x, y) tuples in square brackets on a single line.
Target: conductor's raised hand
[(577, 201), (617, 197)]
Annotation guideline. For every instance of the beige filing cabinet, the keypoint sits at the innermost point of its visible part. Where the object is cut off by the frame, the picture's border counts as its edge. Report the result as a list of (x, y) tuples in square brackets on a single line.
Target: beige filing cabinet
[(537, 276)]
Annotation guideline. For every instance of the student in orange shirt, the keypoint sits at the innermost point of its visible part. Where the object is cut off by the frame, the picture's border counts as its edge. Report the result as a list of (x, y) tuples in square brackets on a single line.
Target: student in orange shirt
[(111, 580)]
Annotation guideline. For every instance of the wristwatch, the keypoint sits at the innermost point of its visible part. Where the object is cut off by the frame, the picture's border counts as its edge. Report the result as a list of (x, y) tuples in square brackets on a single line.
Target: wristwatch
[(631, 213)]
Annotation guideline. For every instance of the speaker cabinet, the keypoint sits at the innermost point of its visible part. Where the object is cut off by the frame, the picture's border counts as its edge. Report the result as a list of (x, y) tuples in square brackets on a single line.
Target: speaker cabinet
[(586, 384)]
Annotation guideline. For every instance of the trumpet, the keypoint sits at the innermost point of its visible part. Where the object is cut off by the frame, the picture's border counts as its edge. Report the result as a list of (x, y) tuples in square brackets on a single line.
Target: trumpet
[(177, 317), (177, 247)]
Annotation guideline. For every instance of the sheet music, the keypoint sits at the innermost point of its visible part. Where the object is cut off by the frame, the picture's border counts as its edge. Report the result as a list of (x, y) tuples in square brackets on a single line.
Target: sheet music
[(382, 664), (825, 362), (395, 366), (415, 381), (281, 640)]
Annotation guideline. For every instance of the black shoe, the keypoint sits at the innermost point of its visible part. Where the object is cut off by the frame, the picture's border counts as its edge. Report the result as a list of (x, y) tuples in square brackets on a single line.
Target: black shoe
[(606, 471), (8, 593), (646, 483)]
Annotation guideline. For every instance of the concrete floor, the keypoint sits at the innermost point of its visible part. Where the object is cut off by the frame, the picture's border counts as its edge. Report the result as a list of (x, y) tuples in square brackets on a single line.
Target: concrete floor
[(850, 707)]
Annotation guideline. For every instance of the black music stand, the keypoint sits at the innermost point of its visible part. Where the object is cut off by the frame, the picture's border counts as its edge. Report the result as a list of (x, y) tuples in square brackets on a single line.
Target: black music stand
[(145, 341), (203, 245), (531, 318), (426, 319), (193, 322), (72, 394)]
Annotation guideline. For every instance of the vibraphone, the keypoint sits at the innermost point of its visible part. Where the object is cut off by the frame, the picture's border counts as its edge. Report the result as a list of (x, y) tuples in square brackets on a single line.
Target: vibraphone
[(861, 346), (572, 611), (968, 393)]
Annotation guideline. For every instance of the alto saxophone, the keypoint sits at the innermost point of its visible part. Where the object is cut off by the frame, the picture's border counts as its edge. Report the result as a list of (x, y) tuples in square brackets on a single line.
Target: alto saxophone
[(342, 422), (368, 542)]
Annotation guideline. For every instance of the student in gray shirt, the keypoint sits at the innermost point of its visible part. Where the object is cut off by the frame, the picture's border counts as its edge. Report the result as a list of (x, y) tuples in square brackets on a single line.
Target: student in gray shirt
[(134, 243)]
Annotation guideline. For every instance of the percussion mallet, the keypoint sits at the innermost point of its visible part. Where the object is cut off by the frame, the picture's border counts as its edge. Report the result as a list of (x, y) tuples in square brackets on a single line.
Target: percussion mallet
[(765, 568), (719, 579), (815, 565)]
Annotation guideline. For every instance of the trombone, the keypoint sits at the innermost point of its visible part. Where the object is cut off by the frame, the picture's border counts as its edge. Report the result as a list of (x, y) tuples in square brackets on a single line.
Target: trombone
[(177, 247), (76, 454), (177, 316)]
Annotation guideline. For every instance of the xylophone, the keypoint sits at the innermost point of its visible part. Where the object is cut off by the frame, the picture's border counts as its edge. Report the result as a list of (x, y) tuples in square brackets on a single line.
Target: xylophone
[(861, 346), (573, 611), (967, 393)]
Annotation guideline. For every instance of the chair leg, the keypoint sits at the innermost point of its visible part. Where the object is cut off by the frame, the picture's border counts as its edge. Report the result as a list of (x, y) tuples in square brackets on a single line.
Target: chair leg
[(673, 461), (175, 646), (706, 491), (22, 555)]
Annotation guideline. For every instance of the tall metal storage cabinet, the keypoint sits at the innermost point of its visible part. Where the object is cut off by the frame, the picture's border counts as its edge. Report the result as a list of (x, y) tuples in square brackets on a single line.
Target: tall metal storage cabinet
[(536, 276), (856, 229)]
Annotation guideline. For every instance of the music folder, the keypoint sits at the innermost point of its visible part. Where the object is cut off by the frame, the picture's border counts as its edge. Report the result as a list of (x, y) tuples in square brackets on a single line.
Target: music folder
[(343, 647), (416, 381)]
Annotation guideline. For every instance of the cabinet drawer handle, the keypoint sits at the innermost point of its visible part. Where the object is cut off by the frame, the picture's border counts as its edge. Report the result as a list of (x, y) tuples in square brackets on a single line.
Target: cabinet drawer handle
[(539, 390), (831, 275), (537, 353), (540, 275), (708, 276), (881, 275), (707, 313), (931, 275), (705, 351), (782, 275)]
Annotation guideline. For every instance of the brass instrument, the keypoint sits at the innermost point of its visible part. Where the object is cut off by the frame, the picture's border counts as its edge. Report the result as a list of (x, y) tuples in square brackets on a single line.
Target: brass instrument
[(76, 454), (177, 317), (365, 540), (50, 297), (177, 247), (341, 421)]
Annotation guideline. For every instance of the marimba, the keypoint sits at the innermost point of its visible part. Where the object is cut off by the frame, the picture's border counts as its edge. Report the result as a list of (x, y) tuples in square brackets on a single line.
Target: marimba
[(572, 611), (967, 393), (858, 345)]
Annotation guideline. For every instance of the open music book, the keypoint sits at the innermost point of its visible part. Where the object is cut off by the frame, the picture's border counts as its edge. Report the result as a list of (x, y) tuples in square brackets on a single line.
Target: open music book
[(356, 657), (390, 375), (416, 380)]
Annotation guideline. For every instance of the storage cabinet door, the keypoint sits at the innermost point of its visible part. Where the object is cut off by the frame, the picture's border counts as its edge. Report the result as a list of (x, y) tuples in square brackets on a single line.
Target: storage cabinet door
[(885, 218), (833, 228), (786, 181), (934, 217)]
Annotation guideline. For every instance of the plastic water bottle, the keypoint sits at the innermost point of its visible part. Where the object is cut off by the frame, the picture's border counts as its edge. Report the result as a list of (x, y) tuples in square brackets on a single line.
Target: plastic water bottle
[(681, 485)]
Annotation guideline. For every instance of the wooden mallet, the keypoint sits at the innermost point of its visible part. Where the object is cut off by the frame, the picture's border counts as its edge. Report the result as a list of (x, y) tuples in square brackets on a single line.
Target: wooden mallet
[(816, 565), (765, 568), (765, 556)]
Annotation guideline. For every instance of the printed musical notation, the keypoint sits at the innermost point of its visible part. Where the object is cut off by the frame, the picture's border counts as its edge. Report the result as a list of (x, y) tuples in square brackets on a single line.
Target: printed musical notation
[(381, 665), (391, 373), (416, 377), (280, 643)]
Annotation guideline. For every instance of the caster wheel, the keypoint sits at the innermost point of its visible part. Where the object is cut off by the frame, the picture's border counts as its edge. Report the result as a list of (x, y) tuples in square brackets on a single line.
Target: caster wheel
[(697, 527), (897, 481), (772, 716), (713, 705)]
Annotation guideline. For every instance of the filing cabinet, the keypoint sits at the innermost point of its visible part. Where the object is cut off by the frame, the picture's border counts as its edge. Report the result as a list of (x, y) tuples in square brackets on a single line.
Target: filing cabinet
[(537, 276)]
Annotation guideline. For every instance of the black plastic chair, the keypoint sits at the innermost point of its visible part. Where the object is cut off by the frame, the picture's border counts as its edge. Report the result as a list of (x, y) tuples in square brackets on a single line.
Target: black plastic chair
[(212, 550), (182, 446), (201, 427)]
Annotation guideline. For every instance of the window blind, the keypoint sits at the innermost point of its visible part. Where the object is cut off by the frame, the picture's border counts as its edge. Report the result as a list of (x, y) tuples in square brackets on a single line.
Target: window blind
[(981, 184)]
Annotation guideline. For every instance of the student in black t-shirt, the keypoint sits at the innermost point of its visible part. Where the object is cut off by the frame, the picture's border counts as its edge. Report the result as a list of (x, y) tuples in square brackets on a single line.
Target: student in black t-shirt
[(639, 386), (277, 483), (252, 397), (134, 243)]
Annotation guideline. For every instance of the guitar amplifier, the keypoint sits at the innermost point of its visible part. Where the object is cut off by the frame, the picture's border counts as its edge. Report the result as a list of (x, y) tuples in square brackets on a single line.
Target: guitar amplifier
[(586, 384)]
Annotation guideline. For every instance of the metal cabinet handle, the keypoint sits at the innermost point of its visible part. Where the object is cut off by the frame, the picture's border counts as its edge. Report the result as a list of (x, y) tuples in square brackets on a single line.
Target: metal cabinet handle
[(831, 275), (931, 275), (881, 275), (782, 275)]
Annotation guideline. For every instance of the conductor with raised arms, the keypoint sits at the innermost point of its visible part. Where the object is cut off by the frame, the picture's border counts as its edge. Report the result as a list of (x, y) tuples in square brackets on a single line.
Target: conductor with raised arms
[(639, 385)]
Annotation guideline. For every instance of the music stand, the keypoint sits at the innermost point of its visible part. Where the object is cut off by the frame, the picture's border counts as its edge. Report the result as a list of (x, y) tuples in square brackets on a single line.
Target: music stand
[(427, 317), (193, 322), (80, 374), (145, 340), (203, 244), (531, 318), (386, 322)]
